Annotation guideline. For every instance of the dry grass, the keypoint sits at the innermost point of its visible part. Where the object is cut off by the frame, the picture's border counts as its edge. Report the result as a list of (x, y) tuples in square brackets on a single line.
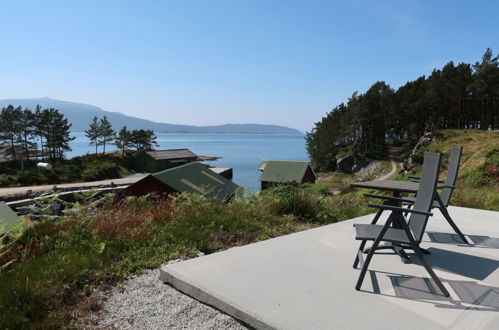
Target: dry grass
[(476, 145), (130, 220)]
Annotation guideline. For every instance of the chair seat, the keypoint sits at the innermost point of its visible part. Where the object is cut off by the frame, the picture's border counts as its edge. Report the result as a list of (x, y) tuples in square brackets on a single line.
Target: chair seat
[(435, 203), (371, 232)]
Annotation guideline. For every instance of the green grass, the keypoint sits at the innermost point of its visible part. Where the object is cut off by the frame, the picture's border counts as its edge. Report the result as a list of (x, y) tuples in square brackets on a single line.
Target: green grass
[(486, 198), (49, 269)]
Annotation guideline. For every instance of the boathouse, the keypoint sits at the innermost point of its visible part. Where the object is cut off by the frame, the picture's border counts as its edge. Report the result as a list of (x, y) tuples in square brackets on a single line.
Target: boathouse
[(193, 177), (158, 160), (281, 172)]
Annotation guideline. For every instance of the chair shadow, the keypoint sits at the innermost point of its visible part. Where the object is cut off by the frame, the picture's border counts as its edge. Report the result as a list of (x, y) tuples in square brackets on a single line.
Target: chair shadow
[(470, 266), (482, 297), (478, 240)]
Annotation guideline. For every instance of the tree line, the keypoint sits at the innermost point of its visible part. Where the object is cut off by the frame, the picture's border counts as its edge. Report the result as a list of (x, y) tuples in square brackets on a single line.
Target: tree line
[(45, 134), (462, 96), (101, 133), (35, 134)]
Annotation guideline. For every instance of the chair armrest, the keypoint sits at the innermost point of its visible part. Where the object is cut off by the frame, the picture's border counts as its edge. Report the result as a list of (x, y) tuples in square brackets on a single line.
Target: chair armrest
[(390, 198), (398, 209)]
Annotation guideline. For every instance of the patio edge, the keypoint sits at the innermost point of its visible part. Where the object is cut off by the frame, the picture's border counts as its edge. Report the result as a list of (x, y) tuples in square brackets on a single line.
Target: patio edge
[(174, 279)]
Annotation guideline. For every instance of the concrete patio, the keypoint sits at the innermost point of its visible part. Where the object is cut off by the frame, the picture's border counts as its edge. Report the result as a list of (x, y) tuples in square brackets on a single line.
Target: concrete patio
[(306, 280)]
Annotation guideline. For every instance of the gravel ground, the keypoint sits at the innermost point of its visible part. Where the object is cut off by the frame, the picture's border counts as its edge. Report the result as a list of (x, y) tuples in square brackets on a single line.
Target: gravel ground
[(144, 302)]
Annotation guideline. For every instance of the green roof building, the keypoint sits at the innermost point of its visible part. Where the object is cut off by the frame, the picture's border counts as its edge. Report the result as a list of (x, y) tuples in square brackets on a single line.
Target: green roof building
[(193, 177), (158, 160), (8, 218), (280, 172)]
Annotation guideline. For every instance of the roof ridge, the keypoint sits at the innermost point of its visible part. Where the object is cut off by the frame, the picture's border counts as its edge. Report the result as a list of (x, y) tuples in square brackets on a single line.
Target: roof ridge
[(167, 150), (176, 168)]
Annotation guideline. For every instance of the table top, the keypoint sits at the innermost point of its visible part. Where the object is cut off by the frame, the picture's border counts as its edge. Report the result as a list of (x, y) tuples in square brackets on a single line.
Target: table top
[(392, 185)]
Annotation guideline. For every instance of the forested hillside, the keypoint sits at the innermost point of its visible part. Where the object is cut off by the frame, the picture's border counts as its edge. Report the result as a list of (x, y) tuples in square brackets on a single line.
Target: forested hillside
[(463, 96)]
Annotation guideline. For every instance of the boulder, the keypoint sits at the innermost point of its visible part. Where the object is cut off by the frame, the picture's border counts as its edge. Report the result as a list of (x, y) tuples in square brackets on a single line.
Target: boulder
[(351, 164), (416, 158), (372, 169)]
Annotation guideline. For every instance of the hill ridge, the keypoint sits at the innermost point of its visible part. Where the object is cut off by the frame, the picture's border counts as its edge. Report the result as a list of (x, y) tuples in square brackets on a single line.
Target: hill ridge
[(81, 114)]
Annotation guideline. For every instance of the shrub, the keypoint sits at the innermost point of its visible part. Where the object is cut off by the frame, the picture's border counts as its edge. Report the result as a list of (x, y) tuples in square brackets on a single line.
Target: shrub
[(208, 225), (6, 180), (100, 171), (65, 173), (31, 177), (87, 168), (305, 202)]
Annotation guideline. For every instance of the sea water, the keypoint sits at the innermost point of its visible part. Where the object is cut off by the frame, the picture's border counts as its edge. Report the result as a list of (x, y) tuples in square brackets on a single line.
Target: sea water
[(242, 152)]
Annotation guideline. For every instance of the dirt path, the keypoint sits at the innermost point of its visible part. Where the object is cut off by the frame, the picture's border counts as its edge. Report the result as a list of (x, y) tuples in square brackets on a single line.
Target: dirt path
[(22, 191), (394, 155)]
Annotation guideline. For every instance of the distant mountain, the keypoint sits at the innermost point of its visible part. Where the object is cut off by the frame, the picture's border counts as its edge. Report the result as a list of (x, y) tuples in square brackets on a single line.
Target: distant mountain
[(80, 115)]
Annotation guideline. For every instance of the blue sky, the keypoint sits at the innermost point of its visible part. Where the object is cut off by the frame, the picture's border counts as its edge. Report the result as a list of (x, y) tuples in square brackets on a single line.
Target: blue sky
[(212, 62)]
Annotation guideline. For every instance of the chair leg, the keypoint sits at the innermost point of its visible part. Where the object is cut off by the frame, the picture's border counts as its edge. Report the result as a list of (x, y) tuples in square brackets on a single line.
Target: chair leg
[(363, 243), (415, 247), (376, 217), (435, 278), (408, 207), (361, 247), (371, 253), (447, 217)]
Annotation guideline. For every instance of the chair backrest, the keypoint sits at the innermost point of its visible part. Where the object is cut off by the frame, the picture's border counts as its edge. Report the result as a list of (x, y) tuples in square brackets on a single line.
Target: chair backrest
[(426, 193), (450, 180)]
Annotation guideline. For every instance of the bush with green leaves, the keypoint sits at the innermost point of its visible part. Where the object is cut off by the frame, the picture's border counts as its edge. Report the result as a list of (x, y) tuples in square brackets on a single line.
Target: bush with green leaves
[(101, 171), (307, 202)]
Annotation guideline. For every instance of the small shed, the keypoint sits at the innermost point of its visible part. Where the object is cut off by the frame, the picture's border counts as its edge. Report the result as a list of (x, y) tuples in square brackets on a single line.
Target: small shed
[(8, 218), (193, 177), (281, 172), (158, 160)]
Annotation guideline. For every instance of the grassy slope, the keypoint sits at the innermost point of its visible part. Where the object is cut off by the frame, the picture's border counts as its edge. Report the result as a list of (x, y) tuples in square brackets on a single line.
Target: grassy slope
[(48, 271), (476, 189), (476, 145)]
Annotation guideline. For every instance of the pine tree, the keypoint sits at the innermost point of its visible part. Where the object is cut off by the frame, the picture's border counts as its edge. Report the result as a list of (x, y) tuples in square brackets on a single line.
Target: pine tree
[(56, 134), (40, 122), (144, 140), (124, 140), (10, 126), (486, 88), (27, 132), (61, 129), (93, 133), (106, 133)]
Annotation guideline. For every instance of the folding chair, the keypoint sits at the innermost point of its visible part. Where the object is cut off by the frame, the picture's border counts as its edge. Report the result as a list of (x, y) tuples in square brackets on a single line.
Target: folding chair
[(411, 230), (442, 201)]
